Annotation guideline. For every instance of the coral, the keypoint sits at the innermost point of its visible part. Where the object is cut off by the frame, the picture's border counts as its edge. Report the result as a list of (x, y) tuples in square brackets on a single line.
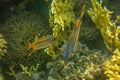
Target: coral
[(12, 71), (26, 74), (101, 17), (110, 33), (113, 6), (84, 65), (59, 13), (3, 46), (28, 71), (34, 76), (112, 66), (19, 29), (62, 19)]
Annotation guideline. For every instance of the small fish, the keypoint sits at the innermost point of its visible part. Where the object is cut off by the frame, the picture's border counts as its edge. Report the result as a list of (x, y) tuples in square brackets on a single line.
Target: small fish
[(71, 43), (40, 43)]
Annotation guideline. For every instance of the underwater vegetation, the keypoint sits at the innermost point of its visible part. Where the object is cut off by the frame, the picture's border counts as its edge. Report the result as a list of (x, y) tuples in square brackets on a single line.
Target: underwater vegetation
[(18, 34), (110, 33), (60, 40), (86, 64), (18, 30)]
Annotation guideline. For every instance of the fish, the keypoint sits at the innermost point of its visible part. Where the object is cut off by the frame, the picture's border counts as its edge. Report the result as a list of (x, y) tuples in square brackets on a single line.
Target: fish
[(72, 41), (41, 43)]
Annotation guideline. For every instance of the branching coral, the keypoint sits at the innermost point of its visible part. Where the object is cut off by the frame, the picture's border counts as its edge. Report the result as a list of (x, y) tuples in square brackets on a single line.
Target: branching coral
[(3, 46), (22, 27), (26, 74), (101, 17), (28, 71), (18, 30), (110, 33), (112, 66), (62, 19), (61, 16)]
